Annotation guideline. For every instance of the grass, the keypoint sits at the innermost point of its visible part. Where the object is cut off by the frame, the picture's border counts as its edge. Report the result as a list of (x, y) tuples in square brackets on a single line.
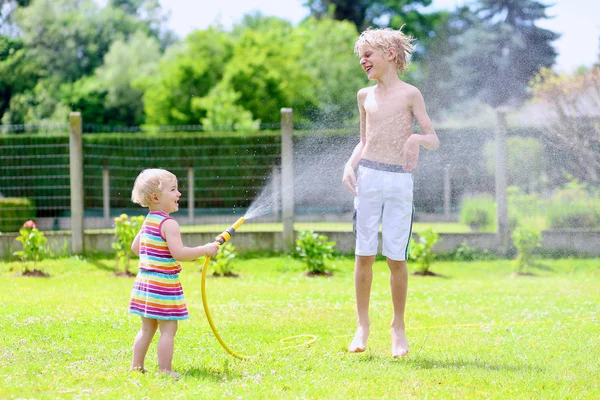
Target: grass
[(476, 332)]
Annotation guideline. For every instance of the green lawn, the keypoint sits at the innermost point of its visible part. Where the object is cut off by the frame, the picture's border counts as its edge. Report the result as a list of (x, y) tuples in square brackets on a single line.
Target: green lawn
[(475, 333)]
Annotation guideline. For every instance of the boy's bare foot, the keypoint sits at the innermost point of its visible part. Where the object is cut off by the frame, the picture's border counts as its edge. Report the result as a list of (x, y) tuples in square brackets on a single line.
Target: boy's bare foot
[(399, 343), (139, 369), (359, 343)]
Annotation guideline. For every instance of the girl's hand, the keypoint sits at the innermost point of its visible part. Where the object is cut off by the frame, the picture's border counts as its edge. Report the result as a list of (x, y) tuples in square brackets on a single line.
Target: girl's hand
[(211, 249)]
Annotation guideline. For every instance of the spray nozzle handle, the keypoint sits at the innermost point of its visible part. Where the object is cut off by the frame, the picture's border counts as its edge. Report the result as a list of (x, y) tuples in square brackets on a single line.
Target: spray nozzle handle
[(226, 235)]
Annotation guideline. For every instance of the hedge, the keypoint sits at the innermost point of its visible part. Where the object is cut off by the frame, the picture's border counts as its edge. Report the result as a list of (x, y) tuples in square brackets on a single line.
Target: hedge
[(37, 166), (14, 212)]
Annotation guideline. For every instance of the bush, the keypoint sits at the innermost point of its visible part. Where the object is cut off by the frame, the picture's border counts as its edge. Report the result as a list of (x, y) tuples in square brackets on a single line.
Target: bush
[(315, 249), (13, 211), (526, 241), (34, 245), (464, 252), (222, 262), (125, 231), (479, 212), (576, 206), (421, 250)]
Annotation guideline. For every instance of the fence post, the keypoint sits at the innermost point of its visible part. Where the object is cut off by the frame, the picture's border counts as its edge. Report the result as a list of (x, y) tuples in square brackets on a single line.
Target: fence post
[(287, 179), (501, 181), (76, 172), (447, 191), (276, 190), (190, 181), (106, 196)]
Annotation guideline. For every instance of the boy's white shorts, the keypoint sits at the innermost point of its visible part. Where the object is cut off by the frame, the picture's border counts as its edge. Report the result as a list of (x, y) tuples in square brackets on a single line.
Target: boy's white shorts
[(385, 196)]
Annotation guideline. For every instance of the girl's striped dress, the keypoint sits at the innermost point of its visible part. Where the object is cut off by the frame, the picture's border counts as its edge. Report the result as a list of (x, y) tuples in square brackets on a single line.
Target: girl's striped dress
[(157, 292)]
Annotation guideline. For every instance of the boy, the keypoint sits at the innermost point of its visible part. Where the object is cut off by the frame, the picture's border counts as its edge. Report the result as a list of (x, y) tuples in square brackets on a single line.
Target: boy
[(386, 155)]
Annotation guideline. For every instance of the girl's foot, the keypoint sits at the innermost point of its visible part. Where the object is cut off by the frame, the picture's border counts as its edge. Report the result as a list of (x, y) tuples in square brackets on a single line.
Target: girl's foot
[(174, 374)]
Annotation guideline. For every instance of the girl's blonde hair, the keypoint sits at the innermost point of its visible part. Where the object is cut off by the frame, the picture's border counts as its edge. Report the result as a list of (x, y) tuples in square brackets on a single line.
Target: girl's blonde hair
[(150, 181), (386, 39)]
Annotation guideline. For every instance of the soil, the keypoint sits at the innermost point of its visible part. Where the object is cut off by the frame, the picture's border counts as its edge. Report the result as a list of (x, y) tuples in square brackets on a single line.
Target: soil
[(517, 274), (226, 275), (36, 273), (312, 274), (427, 273), (125, 274)]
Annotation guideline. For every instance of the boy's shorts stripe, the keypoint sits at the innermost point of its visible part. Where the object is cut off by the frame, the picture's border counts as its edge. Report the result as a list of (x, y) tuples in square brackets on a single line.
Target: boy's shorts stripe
[(412, 218)]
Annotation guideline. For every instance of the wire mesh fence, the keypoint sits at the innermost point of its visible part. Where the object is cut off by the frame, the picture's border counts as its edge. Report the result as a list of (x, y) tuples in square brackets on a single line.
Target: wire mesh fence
[(220, 174)]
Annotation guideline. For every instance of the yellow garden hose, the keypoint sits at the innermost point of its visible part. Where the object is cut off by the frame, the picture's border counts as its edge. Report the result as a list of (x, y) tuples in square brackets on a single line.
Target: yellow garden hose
[(221, 239)]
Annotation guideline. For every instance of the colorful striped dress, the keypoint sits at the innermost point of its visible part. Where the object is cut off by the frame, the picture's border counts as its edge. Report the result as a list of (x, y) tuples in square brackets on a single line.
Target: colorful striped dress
[(157, 292)]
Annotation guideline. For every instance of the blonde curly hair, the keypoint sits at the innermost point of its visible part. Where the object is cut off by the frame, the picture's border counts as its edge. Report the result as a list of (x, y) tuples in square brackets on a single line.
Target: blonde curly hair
[(150, 181), (386, 39)]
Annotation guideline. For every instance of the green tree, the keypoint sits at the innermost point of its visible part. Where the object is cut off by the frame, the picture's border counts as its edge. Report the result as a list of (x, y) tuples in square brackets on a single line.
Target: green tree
[(114, 93), (187, 71), (365, 13), (18, 72), (70, 37), (7, 12), (264, 69), (567, 108), (223, 112), (328, 57), (500, 54)]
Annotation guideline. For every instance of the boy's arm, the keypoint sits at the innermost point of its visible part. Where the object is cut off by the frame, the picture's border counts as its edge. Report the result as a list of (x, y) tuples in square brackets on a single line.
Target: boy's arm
[(349, 177), (135, 246), (428, 138), (172, 235)]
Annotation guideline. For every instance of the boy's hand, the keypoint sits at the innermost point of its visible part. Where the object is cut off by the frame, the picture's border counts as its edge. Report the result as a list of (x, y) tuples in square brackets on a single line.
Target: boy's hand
[(211, 249), (349, 179), (410, 153)]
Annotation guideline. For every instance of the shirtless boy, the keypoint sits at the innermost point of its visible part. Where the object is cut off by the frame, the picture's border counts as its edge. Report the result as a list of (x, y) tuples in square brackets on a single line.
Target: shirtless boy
[(382, 185)]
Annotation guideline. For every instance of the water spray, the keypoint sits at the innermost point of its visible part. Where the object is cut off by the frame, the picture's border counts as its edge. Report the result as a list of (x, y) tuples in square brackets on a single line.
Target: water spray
[(222, 239)]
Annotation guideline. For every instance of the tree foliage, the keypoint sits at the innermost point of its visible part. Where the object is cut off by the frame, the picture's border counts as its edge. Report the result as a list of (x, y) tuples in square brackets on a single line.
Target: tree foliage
[(187, 71), (569, 109), (502, 50), (377, 13)]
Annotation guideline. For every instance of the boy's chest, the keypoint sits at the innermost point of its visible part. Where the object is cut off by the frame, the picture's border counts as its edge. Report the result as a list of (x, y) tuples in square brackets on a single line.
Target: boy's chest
[(382, 108)]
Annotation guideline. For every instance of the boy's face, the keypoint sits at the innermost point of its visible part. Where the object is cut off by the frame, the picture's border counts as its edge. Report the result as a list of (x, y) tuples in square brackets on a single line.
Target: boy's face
[(374, 62), (168, 198)]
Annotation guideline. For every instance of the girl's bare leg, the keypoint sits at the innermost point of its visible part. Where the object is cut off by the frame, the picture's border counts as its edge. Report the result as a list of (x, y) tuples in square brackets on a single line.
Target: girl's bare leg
[(363, 277), (142, 342), (166, 345)]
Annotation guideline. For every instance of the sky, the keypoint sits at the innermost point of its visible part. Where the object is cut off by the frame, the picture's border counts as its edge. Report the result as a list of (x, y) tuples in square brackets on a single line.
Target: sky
[(577, 20)]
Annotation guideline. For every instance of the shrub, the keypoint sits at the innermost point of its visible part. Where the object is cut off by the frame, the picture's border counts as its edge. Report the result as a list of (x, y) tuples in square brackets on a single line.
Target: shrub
[(421, 250), (479, 212), (315, 249), (125, 231), (464, 252), (34, 245), (525, 240), (576, 206), (222, 262), (14, 210)]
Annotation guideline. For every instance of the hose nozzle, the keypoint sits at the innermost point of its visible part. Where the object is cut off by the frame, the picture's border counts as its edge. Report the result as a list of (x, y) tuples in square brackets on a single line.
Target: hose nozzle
[(226, 235)]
